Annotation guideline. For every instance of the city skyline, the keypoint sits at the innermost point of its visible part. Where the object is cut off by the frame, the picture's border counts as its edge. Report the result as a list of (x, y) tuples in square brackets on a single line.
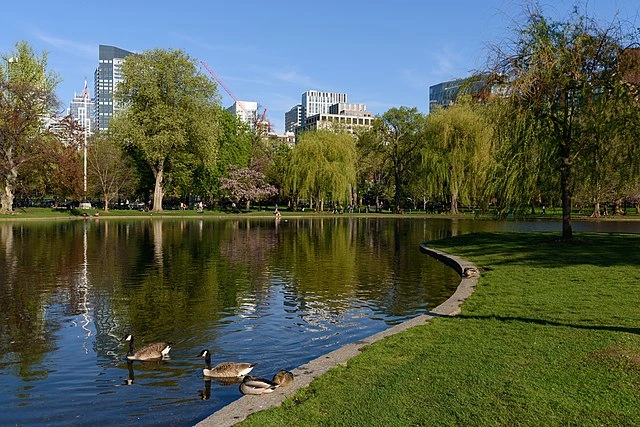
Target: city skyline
[(382, 56)]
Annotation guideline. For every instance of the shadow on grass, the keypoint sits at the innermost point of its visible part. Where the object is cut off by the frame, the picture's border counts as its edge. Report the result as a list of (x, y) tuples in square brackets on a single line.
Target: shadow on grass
[(545, 249), (543, 322)]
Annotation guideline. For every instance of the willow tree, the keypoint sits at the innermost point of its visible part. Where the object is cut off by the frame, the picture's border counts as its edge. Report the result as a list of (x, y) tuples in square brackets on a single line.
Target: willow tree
[(560, 74), (323, 164), (27, 97), (458, 152), (168, 122), (522, 172)]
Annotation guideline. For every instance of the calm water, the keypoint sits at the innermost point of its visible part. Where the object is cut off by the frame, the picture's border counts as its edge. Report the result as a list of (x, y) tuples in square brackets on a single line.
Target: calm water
[(276, 294)]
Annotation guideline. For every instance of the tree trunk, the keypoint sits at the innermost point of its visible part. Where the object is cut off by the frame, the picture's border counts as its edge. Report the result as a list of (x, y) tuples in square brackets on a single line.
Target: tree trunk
[(565, 175), (106, 203), (454, 203), (596, 210), (398, 192), (158, 192), (10, 180), (618, 207)]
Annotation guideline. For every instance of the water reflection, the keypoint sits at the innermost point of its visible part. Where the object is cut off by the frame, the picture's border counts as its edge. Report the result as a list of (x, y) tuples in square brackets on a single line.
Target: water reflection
[(276, 293)]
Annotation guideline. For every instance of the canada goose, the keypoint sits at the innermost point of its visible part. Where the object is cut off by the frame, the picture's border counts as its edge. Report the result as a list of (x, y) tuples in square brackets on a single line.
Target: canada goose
[(283, 378), (157, 350), (224, 369), (252, 385)]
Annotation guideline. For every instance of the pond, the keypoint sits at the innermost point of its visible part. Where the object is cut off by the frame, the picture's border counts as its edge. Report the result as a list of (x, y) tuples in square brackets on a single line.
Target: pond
[(275, 293)]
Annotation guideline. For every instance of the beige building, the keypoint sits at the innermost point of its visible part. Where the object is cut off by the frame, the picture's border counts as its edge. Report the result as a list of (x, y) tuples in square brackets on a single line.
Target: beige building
[(352, 118)]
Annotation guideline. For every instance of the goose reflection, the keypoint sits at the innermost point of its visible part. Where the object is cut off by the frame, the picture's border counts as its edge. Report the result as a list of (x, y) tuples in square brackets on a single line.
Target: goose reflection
[(206, 393), (226, 380), (129, 380)]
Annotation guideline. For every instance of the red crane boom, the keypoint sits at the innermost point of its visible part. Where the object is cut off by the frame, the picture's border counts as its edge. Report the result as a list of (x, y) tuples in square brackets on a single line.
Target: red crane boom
[(226, 89), (219, 80)]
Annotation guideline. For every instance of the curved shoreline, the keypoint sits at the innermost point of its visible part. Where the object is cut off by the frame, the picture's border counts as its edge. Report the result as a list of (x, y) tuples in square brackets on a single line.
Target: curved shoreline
[(240, 409)]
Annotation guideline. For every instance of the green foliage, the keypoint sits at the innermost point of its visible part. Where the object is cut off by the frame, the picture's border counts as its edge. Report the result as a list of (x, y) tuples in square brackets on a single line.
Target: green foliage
[(27, 96), (234, 140), (523, 167), (323, 164), (459, 153), (373, 178), (560, 78), (170, 120), (390, 152), (276, 172)]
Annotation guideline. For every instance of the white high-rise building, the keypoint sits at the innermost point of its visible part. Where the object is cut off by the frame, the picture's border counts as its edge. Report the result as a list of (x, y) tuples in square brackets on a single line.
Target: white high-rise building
[(316, 102), (246, 111), (81, 109)]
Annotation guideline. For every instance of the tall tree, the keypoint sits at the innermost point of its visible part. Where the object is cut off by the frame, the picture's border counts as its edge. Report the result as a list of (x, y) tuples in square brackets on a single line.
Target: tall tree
[(109, 169), (280, 157), (234, 150), (373, 182), (170, 117), (64, 161), (27, 97), (323, 164), (560, 74), (459, 152), (398, 138)]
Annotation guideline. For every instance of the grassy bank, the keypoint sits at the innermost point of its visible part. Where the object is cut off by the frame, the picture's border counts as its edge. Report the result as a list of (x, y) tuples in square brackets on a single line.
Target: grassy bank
[(63, 213), (550, 337)]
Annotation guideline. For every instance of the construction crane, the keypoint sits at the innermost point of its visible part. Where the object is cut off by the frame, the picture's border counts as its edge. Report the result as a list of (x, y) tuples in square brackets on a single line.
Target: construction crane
[(238, 103), (219, 80), (263, 120)]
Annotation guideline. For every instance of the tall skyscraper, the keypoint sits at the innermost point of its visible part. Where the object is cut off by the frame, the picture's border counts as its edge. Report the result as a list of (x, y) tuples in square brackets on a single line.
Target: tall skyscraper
[(106, 77)]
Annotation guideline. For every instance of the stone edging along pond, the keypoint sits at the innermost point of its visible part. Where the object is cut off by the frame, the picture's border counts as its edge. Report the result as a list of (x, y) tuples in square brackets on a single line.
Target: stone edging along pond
[(304, 374)]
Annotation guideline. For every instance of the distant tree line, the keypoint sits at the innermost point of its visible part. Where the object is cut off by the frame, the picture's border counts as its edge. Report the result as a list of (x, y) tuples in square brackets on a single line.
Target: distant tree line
[(556, 124)]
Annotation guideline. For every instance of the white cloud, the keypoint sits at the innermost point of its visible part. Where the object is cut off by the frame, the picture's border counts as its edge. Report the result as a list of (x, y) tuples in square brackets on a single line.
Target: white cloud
[(70, 46), (293, 77)]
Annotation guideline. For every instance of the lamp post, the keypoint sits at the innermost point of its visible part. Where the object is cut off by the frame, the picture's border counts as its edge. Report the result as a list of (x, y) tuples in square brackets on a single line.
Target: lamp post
[(86, 123), (86, 116)]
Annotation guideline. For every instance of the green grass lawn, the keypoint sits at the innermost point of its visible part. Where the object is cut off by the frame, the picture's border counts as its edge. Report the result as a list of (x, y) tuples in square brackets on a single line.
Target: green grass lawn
[(551, 337), (62, 213), (258, 211)]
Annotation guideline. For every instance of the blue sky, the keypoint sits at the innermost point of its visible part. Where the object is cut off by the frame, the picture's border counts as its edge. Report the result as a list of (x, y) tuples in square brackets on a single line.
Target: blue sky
[(381, 53)]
